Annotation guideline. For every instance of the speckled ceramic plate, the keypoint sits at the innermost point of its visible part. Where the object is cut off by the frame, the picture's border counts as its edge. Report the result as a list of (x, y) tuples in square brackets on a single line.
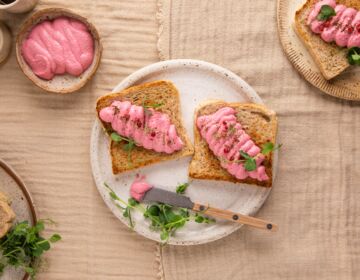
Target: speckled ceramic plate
[(196, 81), (345, 86), (22, 204)]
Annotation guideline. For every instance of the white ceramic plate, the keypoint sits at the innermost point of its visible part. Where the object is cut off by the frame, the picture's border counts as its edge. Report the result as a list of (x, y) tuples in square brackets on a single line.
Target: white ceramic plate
[(196, 81), (23, 206)]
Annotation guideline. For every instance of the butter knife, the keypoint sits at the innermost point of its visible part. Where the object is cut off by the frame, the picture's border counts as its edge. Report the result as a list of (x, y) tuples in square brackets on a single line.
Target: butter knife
[(174, 199)]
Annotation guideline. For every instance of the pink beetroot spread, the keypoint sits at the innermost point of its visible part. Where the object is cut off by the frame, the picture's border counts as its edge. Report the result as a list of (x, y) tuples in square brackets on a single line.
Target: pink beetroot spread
[(343, 28), (139, 187), (56, 47), (150, 129), (226, 139)]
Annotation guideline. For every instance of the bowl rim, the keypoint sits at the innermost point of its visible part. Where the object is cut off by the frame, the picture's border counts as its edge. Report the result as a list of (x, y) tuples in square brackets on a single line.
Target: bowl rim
[(52, 13)]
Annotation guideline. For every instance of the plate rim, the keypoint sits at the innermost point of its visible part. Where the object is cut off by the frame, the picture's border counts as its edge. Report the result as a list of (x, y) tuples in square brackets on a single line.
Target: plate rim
[(12, 173), (316, 80), (168, 64)]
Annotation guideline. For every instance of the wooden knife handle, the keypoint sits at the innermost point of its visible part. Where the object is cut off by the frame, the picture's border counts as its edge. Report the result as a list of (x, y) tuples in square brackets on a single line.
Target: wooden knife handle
[(235, 217)]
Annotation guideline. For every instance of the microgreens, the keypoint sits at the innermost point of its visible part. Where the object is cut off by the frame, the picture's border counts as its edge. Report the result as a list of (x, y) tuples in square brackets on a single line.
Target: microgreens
[(128, 147), (269, 147), (353, 56), (22, 247), (180, 189), (250, 162), (164, 218), (326, 13)]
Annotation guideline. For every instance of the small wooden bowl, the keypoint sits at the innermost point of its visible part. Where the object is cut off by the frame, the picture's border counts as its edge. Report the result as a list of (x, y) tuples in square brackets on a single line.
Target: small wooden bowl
[(60, 83)]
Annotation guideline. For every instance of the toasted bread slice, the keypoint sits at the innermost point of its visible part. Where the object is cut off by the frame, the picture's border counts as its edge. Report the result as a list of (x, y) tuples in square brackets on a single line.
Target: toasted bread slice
[(7, 215), (163, 92), (257, 121), (330, 58)]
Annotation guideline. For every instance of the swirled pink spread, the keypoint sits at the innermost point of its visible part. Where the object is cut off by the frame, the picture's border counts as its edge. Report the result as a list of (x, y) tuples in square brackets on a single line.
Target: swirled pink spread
[(57, 47), (149, 128), (139, 187), (343, 28), (226, 139)]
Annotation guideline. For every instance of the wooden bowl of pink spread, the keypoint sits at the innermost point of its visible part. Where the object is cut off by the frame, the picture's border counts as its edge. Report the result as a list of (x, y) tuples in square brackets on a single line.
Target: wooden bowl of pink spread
[(58, 50)]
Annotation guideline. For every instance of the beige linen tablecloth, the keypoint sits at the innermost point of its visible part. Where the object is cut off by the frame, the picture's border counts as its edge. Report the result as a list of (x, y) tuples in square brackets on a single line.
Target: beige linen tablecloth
[(315, 198), (46, 138)]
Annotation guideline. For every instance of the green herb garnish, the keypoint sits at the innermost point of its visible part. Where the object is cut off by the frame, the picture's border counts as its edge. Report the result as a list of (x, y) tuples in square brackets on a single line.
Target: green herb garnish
[(269, 147), (128, 147), (164, 218), (250, 162), (326, 13), (23, 246), (353, 56), (180, 189)]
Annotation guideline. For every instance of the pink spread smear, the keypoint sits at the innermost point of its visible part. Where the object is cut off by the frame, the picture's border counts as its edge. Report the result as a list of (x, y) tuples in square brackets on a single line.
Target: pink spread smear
[(343, 28), (149, 128), (57, 47), (139, 187), (226, 139)]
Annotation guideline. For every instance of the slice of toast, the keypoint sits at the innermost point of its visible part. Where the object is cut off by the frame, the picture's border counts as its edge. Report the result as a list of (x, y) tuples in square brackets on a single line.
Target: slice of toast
[(160, 92), (330, 58), (257, 121)]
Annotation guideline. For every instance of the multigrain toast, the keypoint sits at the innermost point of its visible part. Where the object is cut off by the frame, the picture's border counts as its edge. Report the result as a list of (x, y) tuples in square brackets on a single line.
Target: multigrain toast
[(257, 121), (330, 58), (160, 92)]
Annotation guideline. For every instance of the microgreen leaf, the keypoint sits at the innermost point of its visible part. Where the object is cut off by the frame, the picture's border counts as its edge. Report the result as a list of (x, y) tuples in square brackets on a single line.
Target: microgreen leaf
[(269, 147), (116, 137), (250, 162), (22, 246), (180, 189), (55, 238), (326, 13), (353, 56), (199, 219)]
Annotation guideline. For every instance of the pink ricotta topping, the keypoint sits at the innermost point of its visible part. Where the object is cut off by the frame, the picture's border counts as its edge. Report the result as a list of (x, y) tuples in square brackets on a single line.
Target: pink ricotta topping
[(56, 47), (226, 139), (149, 128), (343, 28), (139, 187)]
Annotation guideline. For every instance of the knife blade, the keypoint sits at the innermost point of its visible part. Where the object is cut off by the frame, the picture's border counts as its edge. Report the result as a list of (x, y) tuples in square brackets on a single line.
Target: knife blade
[(171, 198)]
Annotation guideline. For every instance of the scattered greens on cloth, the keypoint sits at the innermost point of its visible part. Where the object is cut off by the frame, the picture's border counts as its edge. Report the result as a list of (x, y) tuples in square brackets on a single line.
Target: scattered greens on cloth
[(165, 219), (22, 247), (326, 13)]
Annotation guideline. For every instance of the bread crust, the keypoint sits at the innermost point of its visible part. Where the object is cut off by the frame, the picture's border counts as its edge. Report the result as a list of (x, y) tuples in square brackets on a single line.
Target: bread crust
[(258, 121), (158, 92)]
